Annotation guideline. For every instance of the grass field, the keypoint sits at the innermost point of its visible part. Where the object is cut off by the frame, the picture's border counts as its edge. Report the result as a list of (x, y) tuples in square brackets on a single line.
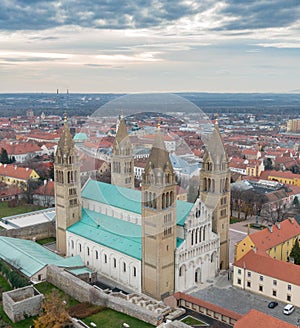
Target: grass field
[(46, 288), (46, 240), (194, 322), (112, 319), (4, 285), (21, 324), (20, 209)]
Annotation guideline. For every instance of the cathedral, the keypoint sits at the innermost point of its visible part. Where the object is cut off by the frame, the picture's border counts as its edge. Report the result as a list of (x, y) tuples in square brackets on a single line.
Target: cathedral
[(144, 239)]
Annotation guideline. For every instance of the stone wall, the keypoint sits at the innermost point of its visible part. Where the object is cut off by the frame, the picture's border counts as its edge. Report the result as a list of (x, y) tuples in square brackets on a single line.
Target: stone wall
[(69, 283), (37, 231), (133, 305), (22, 302)]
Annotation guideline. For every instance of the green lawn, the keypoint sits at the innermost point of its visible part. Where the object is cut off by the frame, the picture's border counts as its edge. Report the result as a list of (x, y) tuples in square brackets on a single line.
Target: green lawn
[(234, 220), (194, 322), (4, 285), (106, 318), (112, 319), (46, 240), (257, 227), (21, 324), (20, 209), (46, 288)]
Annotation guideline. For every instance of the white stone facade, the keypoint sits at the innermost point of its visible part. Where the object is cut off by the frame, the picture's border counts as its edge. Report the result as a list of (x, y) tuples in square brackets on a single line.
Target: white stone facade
[(197, 258), (119, 267)]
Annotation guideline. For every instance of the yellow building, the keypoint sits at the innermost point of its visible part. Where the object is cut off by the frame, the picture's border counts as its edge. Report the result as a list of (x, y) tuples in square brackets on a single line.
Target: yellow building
[(12, 174), (258, 273), (293, 125), (276, 241), (286, 177)]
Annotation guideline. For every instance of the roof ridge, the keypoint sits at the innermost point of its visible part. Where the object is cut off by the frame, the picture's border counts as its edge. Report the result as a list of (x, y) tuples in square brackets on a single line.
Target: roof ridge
[(20, 249)]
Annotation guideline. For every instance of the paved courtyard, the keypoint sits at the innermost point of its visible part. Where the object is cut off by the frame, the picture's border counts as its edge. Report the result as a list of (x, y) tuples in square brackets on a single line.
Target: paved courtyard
[(220, 291)]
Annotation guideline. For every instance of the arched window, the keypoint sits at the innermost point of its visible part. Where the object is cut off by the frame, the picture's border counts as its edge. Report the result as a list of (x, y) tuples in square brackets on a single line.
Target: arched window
[(167, 199), (171, 198), (163, 201)]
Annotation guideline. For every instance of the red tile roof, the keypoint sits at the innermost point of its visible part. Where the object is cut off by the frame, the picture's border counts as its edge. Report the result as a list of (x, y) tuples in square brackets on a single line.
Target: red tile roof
[(207, 305), (20, 148), (258, 319), (14, 171), (264, 264), (265, 239), (282, 174), (46, 189), (10, 191)]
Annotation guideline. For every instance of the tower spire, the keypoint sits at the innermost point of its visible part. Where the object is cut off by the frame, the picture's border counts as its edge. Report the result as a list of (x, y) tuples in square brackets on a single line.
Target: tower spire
[(122, 166), (66, 187), (215, 190), (158, 222)]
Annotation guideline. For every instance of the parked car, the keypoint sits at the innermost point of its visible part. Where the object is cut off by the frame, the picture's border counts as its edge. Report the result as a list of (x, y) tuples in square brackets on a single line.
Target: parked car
[(288, 309), (272, 305)]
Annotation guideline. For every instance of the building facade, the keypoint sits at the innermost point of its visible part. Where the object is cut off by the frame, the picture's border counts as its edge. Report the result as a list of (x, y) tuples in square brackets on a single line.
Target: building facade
[(145, 240)]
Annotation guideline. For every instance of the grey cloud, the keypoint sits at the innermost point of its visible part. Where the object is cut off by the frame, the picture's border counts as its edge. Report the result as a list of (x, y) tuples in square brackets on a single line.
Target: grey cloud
[(31, 59), (259, 14), (116, 14), (43, 14)]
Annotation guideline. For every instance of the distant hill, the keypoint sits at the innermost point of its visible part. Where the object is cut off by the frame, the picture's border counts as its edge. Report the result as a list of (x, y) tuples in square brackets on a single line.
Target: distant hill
[(87, 104)]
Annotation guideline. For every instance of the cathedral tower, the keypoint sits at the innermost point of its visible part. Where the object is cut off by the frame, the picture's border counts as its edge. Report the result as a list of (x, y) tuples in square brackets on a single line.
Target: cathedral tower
[(158, 223), (122, 165), (67, 187), (215, 190)]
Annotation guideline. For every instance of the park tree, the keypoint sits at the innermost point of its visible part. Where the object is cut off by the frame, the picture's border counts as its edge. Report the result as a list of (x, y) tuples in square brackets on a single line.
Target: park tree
[(268, 164), (4, 159), (295, 252), (296, 202), (29, 188), (54, 313)]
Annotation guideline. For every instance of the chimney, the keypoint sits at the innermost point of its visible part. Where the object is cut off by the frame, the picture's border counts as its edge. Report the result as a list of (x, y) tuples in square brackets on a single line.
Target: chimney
[(278, 225), (291, 220), (254, 249), (270, 227)]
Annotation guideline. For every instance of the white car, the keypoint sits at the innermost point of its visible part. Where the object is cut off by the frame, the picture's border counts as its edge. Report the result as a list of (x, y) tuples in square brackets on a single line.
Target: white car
[(288, 309)]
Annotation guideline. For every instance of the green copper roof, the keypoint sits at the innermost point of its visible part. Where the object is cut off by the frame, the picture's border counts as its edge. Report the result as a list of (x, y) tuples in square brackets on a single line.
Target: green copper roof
[(179, 241), (80, 136), (79, 271), (127, 199), (29, 257), (120, 235), (182, 211)]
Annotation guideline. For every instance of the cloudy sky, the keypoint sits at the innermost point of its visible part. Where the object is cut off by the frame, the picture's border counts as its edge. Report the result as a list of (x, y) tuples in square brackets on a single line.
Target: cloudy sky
[(149, 45)]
